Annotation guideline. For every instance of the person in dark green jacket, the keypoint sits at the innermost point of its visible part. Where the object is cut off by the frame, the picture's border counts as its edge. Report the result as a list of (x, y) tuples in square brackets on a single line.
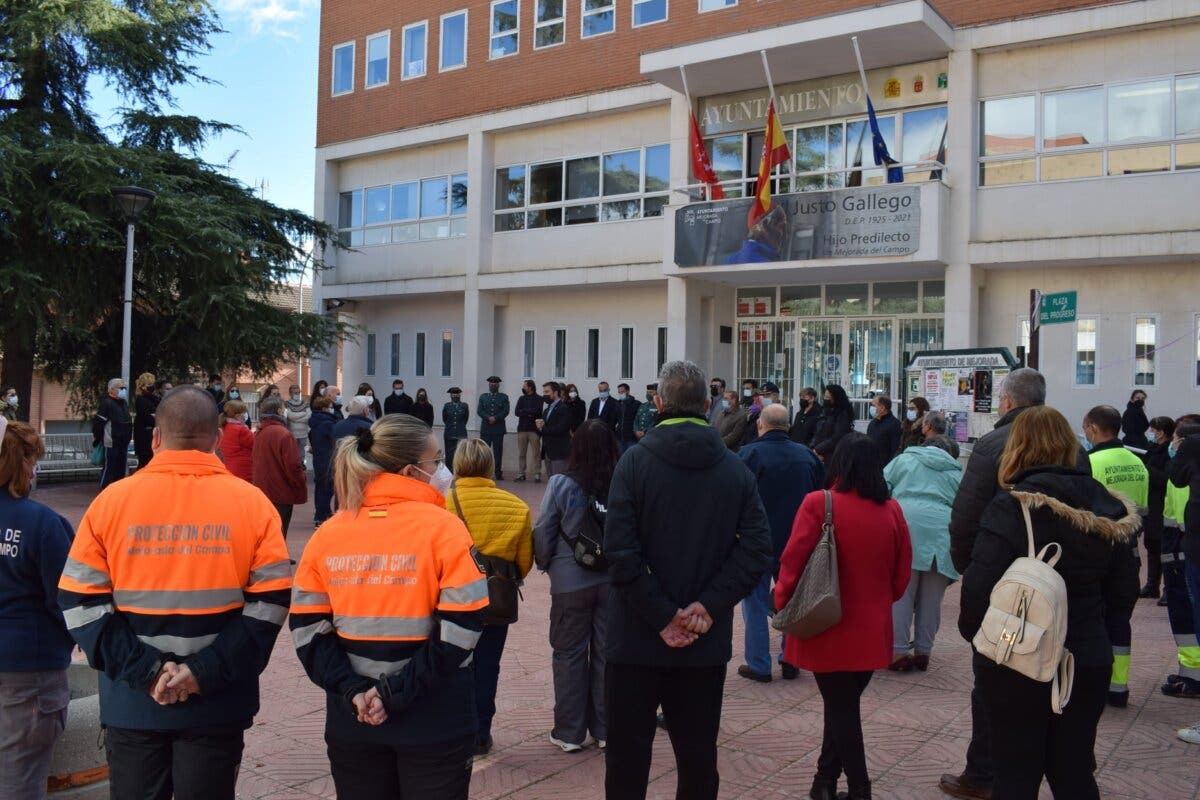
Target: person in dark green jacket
[(492, 410), (647, 414), (454, 417)]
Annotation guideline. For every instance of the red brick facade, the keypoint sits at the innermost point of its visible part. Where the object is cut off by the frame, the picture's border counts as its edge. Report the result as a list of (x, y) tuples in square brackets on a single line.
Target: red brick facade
[(578, 66)]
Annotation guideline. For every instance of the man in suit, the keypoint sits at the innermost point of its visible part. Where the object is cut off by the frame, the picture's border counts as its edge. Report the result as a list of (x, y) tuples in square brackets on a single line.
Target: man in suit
[(555, 426), (627, 410), (398, 402), (604, 408)]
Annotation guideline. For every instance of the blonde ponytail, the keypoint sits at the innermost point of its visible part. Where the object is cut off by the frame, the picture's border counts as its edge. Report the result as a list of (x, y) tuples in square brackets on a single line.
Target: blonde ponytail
[(391, 444)]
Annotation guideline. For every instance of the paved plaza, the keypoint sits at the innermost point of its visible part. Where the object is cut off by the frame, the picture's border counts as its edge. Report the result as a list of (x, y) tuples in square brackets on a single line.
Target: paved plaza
[(917, 725)]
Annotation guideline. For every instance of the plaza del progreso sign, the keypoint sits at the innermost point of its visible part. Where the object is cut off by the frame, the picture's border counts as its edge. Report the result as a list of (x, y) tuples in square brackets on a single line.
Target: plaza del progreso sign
[(866, 222)]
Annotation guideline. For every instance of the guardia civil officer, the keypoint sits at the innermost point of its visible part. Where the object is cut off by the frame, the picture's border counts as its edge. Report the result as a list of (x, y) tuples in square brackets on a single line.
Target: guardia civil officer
[(492, 410)]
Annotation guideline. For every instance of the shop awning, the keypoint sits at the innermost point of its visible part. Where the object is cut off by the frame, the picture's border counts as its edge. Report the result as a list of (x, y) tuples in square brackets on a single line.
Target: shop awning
[(897, 33)]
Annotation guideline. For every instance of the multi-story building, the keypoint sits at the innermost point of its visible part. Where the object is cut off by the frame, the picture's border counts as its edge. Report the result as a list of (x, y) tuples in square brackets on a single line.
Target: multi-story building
[(513, 178)]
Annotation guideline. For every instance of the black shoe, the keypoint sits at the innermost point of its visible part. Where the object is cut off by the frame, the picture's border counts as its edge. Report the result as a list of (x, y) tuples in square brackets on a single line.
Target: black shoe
[(790, 673), (660, 720), (519, 479), (1162, 601), (746, 672), (963, 787), (484, 746), (1118, 699), (823, 789), (1148, 591)]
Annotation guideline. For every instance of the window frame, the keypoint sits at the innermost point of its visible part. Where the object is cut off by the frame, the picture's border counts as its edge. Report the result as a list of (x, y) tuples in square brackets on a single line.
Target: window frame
[(492, 36), (420, 352), (424, 25), (1157, 337), (538, 25), (622, 374), (700, 9), (662, 344), (593, 359), (447, 352), (561, 374), (353, 45), (455, 221), (1095, 352), (396, 342), (529, 353), (387, 70), (465, 13), (633, 13), (370, 354), (584, 13)]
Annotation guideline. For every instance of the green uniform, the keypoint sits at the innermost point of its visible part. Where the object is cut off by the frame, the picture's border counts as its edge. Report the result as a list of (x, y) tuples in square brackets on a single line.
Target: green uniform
[(647, 415), (1125, 474), (1179, 604), (493, 404), (454, 417)]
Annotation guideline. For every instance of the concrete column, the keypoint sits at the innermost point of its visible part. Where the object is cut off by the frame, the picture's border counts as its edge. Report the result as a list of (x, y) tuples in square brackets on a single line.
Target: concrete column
[(963, 280), (323, 366), (479, 308), (691, 332)]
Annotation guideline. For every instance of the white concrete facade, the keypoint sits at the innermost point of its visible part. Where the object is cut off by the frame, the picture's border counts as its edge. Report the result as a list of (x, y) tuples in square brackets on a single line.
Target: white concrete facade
[(1129, 244)]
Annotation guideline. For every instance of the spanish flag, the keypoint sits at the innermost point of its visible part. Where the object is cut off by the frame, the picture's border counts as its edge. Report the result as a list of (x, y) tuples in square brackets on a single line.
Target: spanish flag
[(775, 152)]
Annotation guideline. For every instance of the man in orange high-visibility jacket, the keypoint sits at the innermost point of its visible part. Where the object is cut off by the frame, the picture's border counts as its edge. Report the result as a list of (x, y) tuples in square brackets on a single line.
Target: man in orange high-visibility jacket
[(175, 588)]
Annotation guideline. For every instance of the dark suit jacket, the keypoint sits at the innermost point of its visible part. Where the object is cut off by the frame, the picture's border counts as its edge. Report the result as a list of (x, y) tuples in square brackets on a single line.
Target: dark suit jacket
[(610, 415), (556, 432)]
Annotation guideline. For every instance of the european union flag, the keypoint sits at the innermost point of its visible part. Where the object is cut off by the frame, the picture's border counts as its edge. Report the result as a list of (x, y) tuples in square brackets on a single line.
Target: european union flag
[(882, 156)]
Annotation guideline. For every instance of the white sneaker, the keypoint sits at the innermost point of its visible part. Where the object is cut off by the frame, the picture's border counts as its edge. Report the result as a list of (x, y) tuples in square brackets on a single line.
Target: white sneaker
[(566, 747), (1191, 735), (602, 743)]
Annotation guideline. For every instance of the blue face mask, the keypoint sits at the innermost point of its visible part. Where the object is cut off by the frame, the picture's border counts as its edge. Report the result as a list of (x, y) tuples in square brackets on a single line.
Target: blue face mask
[(1087, 445), (338, 400), (911, 415), (874, 411), (766, 401), (1171, 451), (604, 395), (234, 394), (724, 405), (122, 394)]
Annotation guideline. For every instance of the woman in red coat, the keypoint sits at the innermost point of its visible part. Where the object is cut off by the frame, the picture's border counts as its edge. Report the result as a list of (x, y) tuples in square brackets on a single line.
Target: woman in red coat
[(237, 442), (874, 557)]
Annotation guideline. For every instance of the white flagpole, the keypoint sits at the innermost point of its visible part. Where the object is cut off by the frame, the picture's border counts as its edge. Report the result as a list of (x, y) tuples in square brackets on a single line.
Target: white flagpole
[(862, 73), (770, 83), (691, 110), (686, 93)]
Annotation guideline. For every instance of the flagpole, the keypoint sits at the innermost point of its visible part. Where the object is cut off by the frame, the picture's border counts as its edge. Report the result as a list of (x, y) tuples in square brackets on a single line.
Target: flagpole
[(862, 73), (691, 113), (686, 93), (770, 83)]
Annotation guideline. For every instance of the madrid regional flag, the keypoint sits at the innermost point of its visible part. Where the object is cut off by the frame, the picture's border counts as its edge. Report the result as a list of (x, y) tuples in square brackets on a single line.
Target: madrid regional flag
[(775, 152)]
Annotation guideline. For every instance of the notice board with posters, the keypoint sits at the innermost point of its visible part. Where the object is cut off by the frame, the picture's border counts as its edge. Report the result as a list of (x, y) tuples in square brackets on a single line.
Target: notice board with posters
[(962, 384)]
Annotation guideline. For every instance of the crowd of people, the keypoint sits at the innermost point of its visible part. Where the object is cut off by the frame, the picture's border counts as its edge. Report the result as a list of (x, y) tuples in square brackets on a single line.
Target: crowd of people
[(658, 519)]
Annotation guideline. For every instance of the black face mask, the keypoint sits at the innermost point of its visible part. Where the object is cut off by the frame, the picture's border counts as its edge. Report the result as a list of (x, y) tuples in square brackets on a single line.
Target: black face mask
[(715, 391), (1139, 403)]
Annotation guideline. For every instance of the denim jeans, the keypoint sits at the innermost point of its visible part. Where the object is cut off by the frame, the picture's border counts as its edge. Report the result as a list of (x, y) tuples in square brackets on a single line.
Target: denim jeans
[(758, 630)]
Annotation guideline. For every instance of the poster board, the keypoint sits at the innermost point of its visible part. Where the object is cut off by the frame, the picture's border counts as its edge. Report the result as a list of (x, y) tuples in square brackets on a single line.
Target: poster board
[(962, 384)]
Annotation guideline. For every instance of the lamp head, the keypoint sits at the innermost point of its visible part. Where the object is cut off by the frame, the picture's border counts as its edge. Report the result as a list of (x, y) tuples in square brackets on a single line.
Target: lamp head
[(132, 201)]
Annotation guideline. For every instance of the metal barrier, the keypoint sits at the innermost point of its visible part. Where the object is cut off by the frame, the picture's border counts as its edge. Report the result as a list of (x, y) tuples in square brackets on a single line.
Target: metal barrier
[(69, 457)]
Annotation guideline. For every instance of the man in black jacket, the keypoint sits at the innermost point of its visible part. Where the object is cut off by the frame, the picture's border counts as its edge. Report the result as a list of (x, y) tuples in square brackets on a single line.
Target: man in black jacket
[(686, 538), (604, 408), (1021, 389), (627, 408), (113, 427), (530, 406), (397, 402), (808, 416), (884, 428), (555, 427)]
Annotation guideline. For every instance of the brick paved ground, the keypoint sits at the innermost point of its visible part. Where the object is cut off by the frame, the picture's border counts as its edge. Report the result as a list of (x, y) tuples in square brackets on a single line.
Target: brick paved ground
[(916, 725)]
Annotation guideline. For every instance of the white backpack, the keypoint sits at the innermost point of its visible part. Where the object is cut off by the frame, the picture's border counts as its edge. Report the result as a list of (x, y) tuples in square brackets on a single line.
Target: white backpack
[(1025, 626)]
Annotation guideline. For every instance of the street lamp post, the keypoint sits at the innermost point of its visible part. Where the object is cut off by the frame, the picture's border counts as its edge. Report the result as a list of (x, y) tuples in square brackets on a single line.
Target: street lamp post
[(132, 201)]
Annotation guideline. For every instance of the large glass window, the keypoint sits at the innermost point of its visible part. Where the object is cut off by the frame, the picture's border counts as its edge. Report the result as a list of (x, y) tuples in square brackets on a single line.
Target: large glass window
[(599, 18), (933, 297), (924, 140), (419, 356), (414, 49), (1085, 352), (800, 301), (647, 12), (713, 5), (660, 349), (1187, 105), (550, 23), (434, 197), (894, 298), (846, 298), (350, 217), (378, 198), (1139, 111), (370, 368), (506, 25), (859, 150), (626, 354), (1007, 125), (394, 355), (343, 68), (622, 172), (406, 201), (447, 353), (560, 353), (1073, 119), (453, 41), (529, 340), (377, 58), (1145, 342), (546, 183), (404, 212), (593, 352)]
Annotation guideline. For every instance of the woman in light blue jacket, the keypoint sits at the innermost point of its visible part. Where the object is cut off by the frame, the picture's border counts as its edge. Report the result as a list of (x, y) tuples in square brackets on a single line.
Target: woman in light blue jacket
[(924, 481)]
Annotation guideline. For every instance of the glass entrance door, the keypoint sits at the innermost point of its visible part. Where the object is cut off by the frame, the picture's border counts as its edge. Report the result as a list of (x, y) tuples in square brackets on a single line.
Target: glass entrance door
[(819, 358), (767, 352), (870, 355)]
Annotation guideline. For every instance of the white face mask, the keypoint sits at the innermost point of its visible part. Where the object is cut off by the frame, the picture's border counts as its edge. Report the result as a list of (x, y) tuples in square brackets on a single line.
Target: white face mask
[(912, 415), (441, 478), (12, 400), (747, 392), (397, 392), (621, 395), (766, 401), (574, 395), (295, 398)]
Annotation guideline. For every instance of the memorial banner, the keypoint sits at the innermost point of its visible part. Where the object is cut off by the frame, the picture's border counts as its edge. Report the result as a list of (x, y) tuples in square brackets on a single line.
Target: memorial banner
[(866, 222)]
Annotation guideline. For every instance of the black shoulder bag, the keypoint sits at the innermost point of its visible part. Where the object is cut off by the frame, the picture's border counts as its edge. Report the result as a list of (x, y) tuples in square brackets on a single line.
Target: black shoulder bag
[(503, 579), (587, 545)]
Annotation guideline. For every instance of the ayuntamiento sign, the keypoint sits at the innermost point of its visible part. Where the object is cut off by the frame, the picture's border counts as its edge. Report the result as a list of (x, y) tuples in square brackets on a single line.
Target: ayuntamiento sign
[(874, 221)]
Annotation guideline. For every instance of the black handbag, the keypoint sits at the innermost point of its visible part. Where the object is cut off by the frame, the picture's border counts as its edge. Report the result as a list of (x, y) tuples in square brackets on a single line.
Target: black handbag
[(587, 545), (503, 580)]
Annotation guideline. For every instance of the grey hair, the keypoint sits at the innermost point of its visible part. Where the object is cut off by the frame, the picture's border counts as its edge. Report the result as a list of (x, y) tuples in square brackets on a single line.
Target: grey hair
[(683, 388), (1025, 387), (943, 443), (357, 405), (272, 405), (936, 421), (114, 383)]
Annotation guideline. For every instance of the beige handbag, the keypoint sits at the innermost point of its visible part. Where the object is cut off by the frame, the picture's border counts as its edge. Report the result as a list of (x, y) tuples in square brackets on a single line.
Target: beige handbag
[(816, 604)]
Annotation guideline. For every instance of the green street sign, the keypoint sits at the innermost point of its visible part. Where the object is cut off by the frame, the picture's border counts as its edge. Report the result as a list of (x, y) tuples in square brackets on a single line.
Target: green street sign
[(1058, 307)]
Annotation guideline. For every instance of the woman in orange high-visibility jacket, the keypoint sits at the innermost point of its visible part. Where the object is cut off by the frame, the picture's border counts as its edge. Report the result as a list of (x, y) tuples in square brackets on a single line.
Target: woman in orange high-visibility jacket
[(387, 608)]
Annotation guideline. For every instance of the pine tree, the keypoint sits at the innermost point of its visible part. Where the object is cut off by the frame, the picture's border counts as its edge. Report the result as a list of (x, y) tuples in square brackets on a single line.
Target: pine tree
[(209, 250)]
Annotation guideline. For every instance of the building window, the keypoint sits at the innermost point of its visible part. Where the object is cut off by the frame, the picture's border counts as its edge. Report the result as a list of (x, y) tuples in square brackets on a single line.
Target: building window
[(550, 23), (370, 354), (413, 57), (716, 5), (394, 356), (628, 184), (452, 44), (1114, 129), (1145, 341), (506, 28), (1023, 336), (933, 297), (377, 59), (430, 208), (419, 365), (593, 352), (661, 349), (599, 17), (1198, 350), (894, 298), (1085, 352), (447, 352), (528, 352), (627, 354), (648, 12), (343, 68), (560, 353)]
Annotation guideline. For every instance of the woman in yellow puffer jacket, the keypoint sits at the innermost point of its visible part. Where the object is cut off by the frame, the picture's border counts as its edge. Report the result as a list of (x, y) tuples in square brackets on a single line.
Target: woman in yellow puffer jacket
[(501, 526)]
